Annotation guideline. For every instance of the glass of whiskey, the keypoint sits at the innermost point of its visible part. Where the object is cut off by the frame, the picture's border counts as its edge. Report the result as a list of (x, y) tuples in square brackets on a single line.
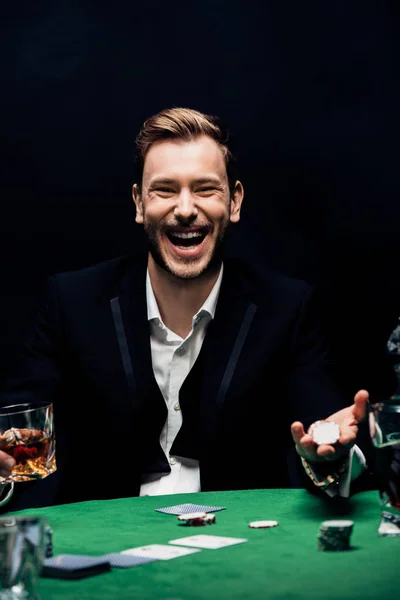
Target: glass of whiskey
[(27, 434), (384, 423)]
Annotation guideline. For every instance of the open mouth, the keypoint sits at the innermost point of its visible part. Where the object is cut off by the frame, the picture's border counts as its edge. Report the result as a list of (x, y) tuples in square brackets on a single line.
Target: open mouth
[(187, 239)]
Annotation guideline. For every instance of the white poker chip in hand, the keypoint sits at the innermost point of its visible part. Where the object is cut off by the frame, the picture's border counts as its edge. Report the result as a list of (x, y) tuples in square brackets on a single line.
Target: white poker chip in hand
[(325, 432)]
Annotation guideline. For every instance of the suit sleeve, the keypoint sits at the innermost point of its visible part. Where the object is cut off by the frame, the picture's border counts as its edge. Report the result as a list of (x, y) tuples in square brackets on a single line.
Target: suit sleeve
[(39, 368), (313, 382), (38, 375)]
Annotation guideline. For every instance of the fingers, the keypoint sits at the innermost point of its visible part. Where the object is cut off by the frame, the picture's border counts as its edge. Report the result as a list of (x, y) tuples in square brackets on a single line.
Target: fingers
[(326, 451), (348, 435), (7, 463), (298, 432), (304, 442), (308, 449), (360, 405), (305, 445)]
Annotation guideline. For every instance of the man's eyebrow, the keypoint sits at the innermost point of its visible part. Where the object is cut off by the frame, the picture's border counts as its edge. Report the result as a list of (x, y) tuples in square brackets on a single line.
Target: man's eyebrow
[(162, 181), (199, 181), (208, 180)]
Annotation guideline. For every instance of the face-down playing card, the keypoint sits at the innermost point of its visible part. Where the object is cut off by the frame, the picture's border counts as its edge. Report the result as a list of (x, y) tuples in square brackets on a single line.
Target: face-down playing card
[(123, 561), (184, 509), (74, 566), (211, 542), (160, 551)]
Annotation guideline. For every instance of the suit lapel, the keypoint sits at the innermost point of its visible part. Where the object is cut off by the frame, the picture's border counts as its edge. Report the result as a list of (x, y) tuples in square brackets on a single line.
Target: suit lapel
[(210, 379), (220, 353), (129, 310)]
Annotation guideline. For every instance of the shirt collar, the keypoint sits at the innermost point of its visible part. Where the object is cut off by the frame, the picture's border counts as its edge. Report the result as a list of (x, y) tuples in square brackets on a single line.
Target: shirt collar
[(208, 307), (152, 306)]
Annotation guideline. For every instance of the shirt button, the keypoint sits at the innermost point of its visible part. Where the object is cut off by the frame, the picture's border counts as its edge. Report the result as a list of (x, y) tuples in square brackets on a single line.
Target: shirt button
[(181, 351), (172, 460), (177, 406)]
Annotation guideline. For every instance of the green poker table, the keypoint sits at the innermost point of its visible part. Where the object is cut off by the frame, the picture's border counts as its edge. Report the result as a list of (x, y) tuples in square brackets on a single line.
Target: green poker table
[(278, 563)]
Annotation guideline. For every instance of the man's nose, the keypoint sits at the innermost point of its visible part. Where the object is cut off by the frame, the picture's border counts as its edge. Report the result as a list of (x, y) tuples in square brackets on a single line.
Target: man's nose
[(185, 208)]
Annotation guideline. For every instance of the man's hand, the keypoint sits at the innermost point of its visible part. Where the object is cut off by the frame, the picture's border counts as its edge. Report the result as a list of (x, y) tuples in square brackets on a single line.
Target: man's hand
[(7, 463), (347, 419)]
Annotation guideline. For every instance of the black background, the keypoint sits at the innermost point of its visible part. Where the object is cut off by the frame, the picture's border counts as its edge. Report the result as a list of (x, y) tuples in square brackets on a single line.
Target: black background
[(310, 91)]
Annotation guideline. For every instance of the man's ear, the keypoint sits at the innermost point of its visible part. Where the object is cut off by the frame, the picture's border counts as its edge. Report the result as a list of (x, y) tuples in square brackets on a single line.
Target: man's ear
[(137, 198), (236, 202)]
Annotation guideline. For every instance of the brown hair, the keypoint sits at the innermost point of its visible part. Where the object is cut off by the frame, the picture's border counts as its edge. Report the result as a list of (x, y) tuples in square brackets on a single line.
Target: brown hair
[(184, 124)]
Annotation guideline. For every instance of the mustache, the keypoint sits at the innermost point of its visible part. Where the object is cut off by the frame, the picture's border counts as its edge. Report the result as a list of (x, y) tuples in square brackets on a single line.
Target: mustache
[(179, 224)]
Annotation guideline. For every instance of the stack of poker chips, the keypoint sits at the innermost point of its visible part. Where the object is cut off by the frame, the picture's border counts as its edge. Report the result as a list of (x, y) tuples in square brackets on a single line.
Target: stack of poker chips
[(48, 541), (197, 519), (335, 535)]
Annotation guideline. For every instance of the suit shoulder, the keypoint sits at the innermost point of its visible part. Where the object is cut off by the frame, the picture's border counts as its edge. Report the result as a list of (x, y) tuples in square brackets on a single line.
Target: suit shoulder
[(92, 273), (102, 276), (281, 282), (265, 282)]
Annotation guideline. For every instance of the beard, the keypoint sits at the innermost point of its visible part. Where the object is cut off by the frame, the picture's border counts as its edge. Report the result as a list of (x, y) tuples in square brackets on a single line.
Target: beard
[(153, 239)]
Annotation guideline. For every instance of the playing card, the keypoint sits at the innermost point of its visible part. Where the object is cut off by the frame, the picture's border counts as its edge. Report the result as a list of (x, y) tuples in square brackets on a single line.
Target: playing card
[(70, 566), (183, 509), (159, 551), (123, 561), (211, 542), (74, 561)]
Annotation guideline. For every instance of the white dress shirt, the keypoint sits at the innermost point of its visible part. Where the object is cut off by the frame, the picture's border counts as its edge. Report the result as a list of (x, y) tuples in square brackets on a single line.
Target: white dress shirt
[(172, 358)]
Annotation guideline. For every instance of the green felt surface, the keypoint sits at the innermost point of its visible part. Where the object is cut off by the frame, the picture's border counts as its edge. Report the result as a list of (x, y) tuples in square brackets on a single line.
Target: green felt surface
[(281, 563)]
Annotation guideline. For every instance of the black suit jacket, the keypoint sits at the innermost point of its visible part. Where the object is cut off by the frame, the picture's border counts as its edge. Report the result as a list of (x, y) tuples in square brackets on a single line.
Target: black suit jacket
[(262, 365)]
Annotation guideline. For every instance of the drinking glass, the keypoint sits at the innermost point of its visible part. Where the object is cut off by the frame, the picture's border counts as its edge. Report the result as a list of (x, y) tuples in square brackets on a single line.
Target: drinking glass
[(384, 424), (22, 544), (27, 434)]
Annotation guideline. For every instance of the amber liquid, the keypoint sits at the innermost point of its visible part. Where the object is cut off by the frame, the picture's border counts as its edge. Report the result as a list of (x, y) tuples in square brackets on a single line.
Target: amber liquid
[(33, 452)]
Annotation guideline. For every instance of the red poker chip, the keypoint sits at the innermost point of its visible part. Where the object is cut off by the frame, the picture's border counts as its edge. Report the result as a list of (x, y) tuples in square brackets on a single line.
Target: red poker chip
[(192, 516), (197, 519)]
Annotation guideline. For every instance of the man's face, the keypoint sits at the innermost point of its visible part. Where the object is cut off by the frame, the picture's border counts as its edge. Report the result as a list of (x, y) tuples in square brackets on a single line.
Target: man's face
[(185, 205)]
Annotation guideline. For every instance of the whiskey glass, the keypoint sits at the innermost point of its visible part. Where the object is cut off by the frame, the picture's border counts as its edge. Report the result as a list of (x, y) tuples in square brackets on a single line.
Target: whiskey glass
[(27, 434)]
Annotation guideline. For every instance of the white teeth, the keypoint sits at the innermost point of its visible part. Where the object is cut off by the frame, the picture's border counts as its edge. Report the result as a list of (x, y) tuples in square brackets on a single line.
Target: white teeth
[(186, 236)]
